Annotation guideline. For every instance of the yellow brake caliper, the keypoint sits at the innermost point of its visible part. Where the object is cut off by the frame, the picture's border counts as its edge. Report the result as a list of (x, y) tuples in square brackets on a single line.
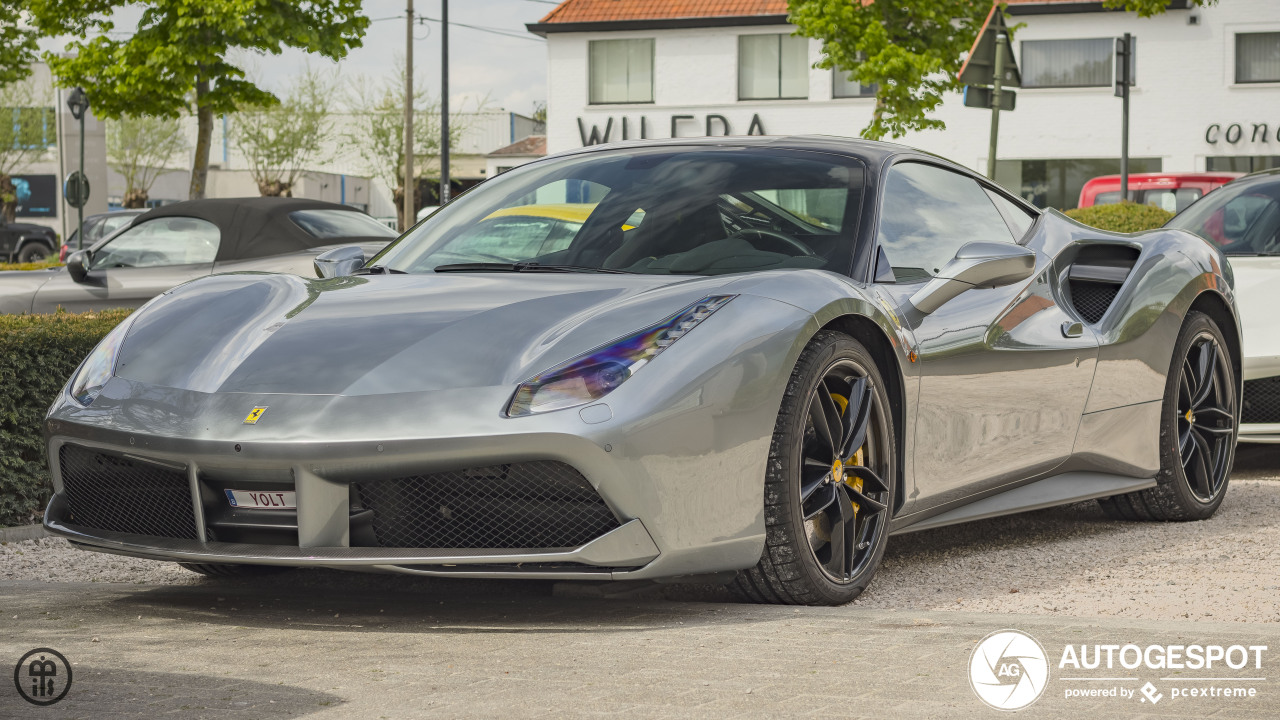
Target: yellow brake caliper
[(837, 469)]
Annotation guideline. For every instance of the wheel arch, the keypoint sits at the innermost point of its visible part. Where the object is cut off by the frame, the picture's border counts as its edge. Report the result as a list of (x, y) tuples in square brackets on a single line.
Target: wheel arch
[(873, 337), (1211, 303)]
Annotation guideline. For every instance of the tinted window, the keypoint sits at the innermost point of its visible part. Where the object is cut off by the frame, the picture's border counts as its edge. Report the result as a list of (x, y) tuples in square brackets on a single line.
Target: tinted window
[(326, 224), (653, 211), (928, 213), (1243, 219), (158, 242)]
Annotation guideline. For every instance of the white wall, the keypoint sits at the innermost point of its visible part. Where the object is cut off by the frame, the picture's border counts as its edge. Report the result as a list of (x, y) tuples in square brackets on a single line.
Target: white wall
[(1185, 76)]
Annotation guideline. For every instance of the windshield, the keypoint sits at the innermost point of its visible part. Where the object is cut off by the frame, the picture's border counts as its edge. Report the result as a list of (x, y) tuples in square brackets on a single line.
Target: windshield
[(1242, 218), (327, 224), (650, 211)]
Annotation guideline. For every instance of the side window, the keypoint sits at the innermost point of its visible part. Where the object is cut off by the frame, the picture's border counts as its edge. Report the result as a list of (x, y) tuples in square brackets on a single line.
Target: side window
[(1016, 216), (928, 213), (159, 242)]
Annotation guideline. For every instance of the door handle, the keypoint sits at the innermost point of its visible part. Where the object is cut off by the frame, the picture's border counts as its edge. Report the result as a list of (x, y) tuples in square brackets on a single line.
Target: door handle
[(1072, 329)]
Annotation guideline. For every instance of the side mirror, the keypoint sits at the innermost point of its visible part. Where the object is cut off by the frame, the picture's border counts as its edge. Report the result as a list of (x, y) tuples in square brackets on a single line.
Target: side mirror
[(976, 265), (78, 265), (339, 262)]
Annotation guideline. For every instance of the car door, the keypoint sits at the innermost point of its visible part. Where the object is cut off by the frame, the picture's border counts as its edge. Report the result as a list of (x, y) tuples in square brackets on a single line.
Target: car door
[(136, 265), (1002, 385)]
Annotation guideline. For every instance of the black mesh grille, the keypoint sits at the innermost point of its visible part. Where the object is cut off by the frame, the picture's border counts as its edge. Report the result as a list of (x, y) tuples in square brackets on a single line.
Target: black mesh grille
[(524, 505), (1261, 401), (1091, 299), (122, 495)]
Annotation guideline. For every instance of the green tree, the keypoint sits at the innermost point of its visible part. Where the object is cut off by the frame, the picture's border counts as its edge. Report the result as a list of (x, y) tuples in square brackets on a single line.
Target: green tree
[(27, 131), (179, 58), (910, 50), (279, 141), (17, 43), (139, 148), (376, 132)]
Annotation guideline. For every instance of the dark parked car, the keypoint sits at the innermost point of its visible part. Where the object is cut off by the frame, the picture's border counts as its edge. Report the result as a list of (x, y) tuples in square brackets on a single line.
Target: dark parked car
[(97, 227), (26, 242), (170, 245)]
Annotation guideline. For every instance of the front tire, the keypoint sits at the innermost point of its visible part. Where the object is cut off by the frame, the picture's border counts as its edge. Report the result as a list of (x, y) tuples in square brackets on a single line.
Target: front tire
[(829, 481), (1198, 425)]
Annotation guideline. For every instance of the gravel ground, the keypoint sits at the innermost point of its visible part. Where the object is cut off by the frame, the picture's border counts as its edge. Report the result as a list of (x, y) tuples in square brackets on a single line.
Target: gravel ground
[(1067, 561)]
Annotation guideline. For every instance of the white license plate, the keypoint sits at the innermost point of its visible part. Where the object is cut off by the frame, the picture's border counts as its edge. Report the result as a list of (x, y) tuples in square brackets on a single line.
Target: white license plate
[(263, 499)]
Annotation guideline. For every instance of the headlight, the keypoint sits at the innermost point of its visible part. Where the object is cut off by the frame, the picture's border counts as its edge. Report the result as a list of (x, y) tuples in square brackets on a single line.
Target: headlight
[(100, 365), (598, 372)]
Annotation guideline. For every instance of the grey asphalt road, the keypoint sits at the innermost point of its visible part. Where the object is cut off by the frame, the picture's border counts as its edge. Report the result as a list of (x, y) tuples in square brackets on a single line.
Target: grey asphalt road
[(330, 645)]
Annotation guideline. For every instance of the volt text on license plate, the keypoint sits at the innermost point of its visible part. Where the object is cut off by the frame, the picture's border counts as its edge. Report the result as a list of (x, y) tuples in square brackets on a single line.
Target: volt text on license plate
[(263, 499)]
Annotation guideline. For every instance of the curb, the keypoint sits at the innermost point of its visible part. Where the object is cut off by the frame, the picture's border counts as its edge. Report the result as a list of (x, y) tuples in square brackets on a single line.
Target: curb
[(22, 532)]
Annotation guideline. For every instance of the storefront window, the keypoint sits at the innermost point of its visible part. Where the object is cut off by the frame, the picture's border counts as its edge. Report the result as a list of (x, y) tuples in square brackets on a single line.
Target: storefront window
[(1071, 63), (1242, 163), (772, 67), (621, 71), (845, 87), (1057, 183), (1258, 57)]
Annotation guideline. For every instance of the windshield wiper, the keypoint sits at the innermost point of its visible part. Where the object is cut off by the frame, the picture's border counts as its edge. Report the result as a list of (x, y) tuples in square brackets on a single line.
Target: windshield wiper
[(526, 266), (378, 270)]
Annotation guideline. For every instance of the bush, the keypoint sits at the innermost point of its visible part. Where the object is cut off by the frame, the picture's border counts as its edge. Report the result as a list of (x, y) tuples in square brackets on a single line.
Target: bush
[(38, 353), (42, 265), (1124, 217)]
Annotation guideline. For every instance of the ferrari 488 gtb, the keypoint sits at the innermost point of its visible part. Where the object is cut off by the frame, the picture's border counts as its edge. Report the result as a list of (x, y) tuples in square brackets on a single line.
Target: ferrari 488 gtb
[(751, 359)]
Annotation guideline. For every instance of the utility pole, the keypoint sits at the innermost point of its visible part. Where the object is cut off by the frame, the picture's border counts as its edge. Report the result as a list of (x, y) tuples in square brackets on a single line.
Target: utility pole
[(444, 101), (410, 187), (1001, 39), (1124, 56)]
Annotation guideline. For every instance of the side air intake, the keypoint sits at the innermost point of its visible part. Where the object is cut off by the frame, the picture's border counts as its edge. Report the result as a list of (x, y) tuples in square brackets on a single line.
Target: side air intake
[(1095, 277)]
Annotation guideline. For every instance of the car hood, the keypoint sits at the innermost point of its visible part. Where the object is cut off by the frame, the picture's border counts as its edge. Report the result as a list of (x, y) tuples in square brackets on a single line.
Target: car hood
[(374, 334), (1258, 297)]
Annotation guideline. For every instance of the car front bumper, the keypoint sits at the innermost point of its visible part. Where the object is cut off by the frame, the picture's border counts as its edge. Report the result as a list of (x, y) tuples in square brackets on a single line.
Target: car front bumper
[(1260, 413)]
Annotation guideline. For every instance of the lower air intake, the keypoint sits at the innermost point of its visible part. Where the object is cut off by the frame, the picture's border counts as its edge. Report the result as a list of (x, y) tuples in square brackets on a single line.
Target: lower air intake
[(1091, 299), (535, 505), (106, 492), (1261, 401)]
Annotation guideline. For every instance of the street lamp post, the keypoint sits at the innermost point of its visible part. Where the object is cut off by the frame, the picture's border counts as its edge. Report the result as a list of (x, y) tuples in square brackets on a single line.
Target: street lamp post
[(78, 103)]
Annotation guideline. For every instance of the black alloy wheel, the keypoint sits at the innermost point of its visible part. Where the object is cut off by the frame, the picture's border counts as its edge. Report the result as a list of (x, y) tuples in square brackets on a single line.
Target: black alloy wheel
[(829, 483), (1198, 424), (1206, 417)]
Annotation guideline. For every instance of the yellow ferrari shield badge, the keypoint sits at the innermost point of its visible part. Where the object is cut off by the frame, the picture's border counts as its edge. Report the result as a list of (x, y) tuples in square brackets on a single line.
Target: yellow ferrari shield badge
[(254, 416)]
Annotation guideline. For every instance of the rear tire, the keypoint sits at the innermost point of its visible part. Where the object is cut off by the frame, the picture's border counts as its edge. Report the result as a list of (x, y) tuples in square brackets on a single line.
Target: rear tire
[(1198, 426), (33, 252), (829, 480), (224, 571)]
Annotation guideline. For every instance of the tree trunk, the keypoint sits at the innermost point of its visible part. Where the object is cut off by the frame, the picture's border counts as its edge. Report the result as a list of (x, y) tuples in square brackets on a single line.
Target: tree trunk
[(136, 199), (204, 138), (397, 197), (275, 188), (8, 199)]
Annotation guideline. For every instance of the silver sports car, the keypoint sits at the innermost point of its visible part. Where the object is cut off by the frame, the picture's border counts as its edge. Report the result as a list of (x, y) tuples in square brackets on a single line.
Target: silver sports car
[(745, 359)]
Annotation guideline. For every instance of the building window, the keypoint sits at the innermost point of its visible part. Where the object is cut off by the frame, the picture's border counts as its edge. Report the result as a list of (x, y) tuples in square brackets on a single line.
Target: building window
[(842, 86), (30, 128), (1071, 63), (1258, 57), (1241, 163), (621, 71), (773, 67), (1057, 183)]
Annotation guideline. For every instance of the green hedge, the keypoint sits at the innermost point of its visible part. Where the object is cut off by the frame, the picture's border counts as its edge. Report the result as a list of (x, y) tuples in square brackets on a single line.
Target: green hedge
[(1123, 217), (38, 353)]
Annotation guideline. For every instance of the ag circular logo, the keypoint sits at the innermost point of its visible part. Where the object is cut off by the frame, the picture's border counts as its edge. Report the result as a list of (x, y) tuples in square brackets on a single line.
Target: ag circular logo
[(1008, 670), (42, 676)]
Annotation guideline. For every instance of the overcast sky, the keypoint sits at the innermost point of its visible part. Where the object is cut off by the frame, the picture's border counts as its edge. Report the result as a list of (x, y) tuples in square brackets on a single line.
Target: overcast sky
[(511, 71)]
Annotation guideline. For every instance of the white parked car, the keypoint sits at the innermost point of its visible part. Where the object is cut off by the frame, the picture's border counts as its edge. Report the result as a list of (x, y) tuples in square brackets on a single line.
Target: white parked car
[(1243, 219)]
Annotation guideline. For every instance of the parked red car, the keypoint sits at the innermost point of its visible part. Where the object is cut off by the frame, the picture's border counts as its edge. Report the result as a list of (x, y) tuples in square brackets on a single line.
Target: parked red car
[(1171, 191)]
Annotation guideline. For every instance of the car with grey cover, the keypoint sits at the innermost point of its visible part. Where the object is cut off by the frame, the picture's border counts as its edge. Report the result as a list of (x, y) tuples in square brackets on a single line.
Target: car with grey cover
[(173, 244)]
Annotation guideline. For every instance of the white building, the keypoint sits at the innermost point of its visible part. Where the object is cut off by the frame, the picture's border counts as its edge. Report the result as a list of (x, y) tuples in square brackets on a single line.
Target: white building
[(1206, 93)]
